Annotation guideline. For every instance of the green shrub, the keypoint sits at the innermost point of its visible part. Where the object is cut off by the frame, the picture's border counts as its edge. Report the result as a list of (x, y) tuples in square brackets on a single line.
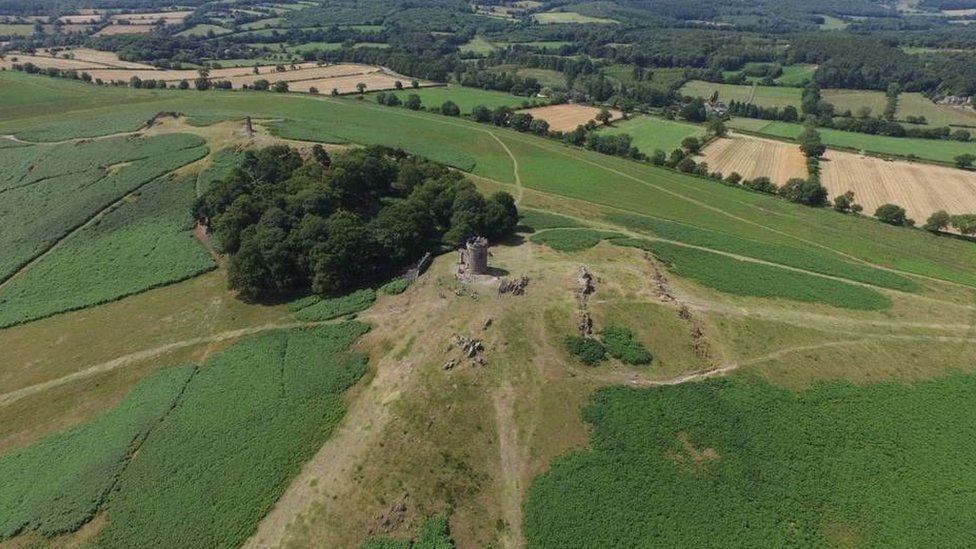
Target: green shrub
[(571, 240), (588, 350), (327, 309), (396, 286), (620, 344), (434, 534)]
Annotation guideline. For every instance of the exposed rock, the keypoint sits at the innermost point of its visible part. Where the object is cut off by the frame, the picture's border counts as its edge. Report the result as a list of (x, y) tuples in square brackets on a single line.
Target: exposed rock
[(486, 324), (513, 286)]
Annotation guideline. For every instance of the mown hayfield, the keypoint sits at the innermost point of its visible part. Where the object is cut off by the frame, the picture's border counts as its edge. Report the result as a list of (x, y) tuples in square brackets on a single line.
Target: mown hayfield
[(234, 431), (565, 117), (107, 58), (650, 134), (465, 98), (919, 188), (204, 30), (141, 244), (50, 190), (796, 75), (116, 29), (568, 17), (929, 149), (753, 157), (700, 464), (853, 100)]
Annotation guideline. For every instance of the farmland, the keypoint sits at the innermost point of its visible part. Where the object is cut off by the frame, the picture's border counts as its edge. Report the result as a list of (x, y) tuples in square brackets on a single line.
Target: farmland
[(466, 98), (915, 104), (766, 96), (565, 117), (921, 189), (569, 17), (650, 134), (753, 157), (710, 280)]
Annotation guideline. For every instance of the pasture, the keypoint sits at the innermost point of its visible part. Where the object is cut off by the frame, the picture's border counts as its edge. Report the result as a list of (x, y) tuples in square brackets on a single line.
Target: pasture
[(916, 104), (650, 133), (753, 157), (921, 189), (569, 17), (565, 117), (766, 96), (465, 98), (116, 29)]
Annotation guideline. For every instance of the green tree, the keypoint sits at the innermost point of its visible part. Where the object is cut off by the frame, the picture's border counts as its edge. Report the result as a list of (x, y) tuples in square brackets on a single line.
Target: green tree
[(891, 214), (964, 223), (521, 121), (280, 86), (804, 191), (361, 88), (450, 108), (845, 203), (539, 126), (716, 126), (413, 102), (481, 113), (938, 221), (691, 144), (810, 144), (604, 116), (965, 161)]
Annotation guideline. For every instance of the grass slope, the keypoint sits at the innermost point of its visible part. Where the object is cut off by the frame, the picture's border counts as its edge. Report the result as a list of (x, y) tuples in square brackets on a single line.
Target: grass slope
[(465, 98), (738, 462), (571, 240), (139, 245), (650, 134)]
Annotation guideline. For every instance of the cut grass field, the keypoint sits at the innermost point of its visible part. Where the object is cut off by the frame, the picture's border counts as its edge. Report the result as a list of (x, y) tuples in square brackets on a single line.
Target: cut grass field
[(566, 117), (204, 30), (465, 98), (796, 75), (569, 17), (766, 96), (650, 133), (916, 104), (739, 459), (477, 45), (929, 149)]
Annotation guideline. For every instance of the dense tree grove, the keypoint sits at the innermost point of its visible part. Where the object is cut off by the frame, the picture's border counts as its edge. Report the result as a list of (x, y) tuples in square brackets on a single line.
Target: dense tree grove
[(336, 222)]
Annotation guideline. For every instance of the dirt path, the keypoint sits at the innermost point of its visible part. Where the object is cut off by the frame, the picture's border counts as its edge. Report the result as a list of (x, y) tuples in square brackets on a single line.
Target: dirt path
[(203, 237), (328, 476), (511, 464), (519, 190), (145, 354)]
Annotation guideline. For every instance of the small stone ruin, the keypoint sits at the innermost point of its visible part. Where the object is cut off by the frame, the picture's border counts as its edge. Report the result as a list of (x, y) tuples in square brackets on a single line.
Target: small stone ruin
[(514, 286), (473, 257)]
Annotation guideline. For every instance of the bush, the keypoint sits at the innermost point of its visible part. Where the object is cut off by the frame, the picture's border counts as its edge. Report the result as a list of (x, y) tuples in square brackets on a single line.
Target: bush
[(396, 287), (620, 344), (891, 214), (804, 191), (589, 351)]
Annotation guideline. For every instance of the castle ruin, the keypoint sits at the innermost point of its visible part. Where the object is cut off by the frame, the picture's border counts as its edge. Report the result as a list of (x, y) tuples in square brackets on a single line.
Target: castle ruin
[(473, 257)]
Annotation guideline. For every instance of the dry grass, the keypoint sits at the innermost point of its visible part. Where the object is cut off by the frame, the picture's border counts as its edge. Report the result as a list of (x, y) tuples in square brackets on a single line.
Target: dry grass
[(79, 19), (169, 17), (112, 30), (94, 58), (920, 188), (565, 117), (753, 157), (45, 61)]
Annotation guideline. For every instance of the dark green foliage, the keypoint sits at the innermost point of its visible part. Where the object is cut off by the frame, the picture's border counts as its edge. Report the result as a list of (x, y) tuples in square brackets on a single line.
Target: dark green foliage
[(735, 276), (810, 143), (892, 214), (964, 223), (335, 307), (537, 220), (938, 221), (808, 192), (222, 164), (775, 253), (434, 534), (588, 350), (333, 225), (620, 344), (760, 184), (396, 286), (58, 483), (571, 240), (245, 424), (738, 462)]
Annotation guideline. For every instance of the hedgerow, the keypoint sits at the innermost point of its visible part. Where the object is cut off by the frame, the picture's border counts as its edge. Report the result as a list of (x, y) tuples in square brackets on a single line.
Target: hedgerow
[(537, 220), (736, 276), (396, 286), (70, 183), (329, 308), (738, 462), (620, 344), (785, 255), (571, 240), (588, 350), (59, 483), (142, 244)]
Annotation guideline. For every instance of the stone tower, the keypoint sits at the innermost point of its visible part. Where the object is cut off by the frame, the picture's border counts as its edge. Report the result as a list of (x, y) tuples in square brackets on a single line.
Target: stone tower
[(476, 255)]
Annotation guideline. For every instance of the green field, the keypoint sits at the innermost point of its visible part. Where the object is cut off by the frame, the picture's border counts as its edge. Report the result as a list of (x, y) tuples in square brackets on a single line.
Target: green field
[(700, 464), (141, 244), (833, 23), (929, 149), (265, 404), (571, 240), (652, 133), (270, 22), (796, 75), (478, 45), (916, 104), (465, 98), (569, 17), (14, 29), (765, 96), (73, 182), (203, 30), (853, 100)]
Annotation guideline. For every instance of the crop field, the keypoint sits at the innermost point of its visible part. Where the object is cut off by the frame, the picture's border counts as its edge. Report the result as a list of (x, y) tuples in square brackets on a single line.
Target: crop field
[(569, 17), (650, 133), (141, 244), (14, 29), (51, 190), (916, 104), (327, 309), (269, 400), (753, 157), (102, 58), (565, 117), (919, 188), (929, 149), (796, 75), (766, 96), (116, 29), (466, 98), (740, 459), (169, 17), (347, 84), (47, 61), (203, 30)]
